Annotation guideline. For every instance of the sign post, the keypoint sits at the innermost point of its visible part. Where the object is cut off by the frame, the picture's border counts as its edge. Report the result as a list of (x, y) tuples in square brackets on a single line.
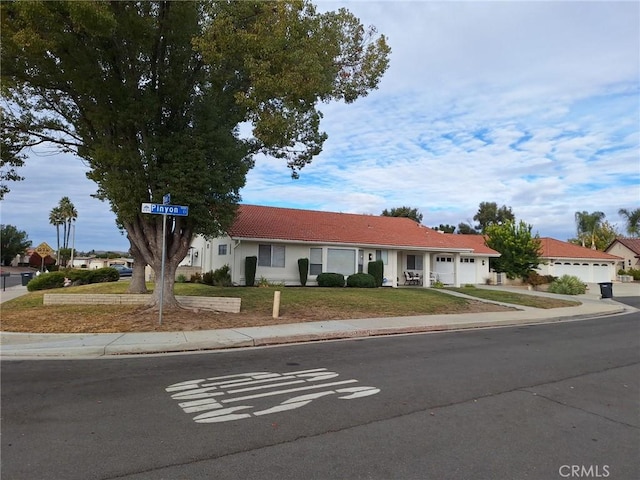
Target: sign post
[(44, 250), (164, 210)]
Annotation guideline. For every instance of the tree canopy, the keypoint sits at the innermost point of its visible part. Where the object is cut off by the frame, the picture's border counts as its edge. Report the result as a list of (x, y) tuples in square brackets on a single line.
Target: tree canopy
[(151, 95), (13, 242), (407, 212), (632, 218), (490, 214), (519, 248), (587, 224)]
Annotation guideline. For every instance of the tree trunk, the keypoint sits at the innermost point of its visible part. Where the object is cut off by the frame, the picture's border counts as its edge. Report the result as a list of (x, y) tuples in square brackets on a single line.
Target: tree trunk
[(145, 235), (138, 283)]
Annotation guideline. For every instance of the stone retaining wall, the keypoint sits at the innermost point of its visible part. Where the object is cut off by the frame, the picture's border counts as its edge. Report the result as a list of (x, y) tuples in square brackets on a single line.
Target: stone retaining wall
[(219, 304)]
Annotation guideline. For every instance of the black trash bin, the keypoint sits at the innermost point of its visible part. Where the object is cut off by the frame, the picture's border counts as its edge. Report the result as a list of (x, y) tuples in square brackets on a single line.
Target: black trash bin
[(26, 278), (606, 289)]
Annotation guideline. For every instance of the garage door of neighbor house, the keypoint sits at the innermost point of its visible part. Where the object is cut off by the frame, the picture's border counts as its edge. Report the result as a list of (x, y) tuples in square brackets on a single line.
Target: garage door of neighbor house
[(575, 269), (601, 272), (590, 273)]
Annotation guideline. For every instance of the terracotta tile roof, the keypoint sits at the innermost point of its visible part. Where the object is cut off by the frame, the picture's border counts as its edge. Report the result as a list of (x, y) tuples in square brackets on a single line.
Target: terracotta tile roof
[(552, 248), (275, 223), (632, 244)]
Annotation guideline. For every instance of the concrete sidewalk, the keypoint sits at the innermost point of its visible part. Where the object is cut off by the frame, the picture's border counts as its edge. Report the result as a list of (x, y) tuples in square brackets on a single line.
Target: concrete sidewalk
[(21, 345)]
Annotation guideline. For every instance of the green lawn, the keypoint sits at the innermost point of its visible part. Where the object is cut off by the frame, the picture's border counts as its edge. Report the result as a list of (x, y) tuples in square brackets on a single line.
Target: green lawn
[(515, 298)]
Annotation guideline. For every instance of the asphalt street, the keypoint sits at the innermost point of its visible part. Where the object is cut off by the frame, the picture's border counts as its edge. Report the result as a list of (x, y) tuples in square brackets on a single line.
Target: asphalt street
[(529, 402)]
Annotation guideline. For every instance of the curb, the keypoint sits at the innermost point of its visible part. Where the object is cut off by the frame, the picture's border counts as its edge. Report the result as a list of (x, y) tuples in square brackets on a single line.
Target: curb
[(122, 345)]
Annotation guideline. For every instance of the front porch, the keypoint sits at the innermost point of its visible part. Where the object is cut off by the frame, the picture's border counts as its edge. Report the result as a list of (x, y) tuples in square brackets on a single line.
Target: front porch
[(424, 269)]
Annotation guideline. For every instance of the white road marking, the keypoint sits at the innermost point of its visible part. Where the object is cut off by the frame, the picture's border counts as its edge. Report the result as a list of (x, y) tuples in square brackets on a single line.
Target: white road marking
[(198, 395)]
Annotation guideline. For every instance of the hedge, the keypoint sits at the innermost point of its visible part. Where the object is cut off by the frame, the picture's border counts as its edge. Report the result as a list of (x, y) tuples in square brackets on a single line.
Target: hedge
[(303, 270), (250, 265), (330, 280), (51, 280), (361, 280), (376, 269)]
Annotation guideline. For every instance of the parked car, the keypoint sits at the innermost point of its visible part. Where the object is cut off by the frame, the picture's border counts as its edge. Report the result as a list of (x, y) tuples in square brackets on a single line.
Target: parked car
[(123, 270)]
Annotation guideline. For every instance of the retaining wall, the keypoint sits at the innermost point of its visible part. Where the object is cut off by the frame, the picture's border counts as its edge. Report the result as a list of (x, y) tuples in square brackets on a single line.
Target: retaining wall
[(219, 304)]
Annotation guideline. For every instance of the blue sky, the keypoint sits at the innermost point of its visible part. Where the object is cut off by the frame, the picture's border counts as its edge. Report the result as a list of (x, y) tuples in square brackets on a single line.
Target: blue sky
[(533, 105)]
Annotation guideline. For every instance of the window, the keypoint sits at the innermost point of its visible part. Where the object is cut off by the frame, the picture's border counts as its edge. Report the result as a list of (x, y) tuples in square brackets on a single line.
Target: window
[(271, 256), (414, 262), (315, 261), (340, 260), (382, 255), (467, 260), (222, 249)]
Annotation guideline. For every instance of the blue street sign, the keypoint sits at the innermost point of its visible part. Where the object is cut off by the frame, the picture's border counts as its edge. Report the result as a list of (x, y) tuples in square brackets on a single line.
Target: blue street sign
[(157, 209), (166, 199)]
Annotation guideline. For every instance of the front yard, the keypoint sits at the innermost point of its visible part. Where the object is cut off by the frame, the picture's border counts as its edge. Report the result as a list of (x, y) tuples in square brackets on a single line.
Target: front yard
[(298, 304)]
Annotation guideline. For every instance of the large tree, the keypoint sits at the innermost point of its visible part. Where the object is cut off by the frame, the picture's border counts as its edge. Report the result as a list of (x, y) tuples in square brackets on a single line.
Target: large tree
[(632, 221), (603, 236), (12, 155), (490, 214), (519, 249), (152, 94), (13, 242), (407, 212), (56, 219), (587, 224)]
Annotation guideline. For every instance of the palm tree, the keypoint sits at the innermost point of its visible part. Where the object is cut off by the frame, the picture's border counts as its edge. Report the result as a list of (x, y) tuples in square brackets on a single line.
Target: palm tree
[(69, 213), (633, 221), (56, 219), (587, 224)]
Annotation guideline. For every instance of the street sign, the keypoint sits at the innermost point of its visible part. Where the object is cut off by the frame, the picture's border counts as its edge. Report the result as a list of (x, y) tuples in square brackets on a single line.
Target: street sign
[(44, 250), (158, 209), (166, 199)]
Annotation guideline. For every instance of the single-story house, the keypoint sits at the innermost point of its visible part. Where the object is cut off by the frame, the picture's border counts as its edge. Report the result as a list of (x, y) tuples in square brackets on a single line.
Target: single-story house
[(628, 249), (93, 263), (340, 243), (589, 265)]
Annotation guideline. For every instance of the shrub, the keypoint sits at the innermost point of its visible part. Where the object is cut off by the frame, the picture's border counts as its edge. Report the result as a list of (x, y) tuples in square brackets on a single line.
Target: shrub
[(567, 285), (219, 278), (330, 280), (222, 276), (250, 264), (106, 274), (303, 269), (534, 279), (622, 272), (361, 280), (196, 278), (50, 280), (46, 281), (207, 278), (634, 272), (181, 278), (376, 269)]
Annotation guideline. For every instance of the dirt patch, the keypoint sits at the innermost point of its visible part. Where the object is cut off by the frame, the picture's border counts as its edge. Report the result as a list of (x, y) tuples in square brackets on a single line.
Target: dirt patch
[(117, 319)]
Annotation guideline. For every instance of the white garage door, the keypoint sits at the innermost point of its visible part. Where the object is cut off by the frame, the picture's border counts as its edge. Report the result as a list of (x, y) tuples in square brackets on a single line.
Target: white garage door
[(575, 269), (601, 273), (467, 271), (587, 272)]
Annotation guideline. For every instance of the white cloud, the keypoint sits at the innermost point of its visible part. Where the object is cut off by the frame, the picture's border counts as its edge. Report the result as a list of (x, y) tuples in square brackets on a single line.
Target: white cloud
[(534, 105)]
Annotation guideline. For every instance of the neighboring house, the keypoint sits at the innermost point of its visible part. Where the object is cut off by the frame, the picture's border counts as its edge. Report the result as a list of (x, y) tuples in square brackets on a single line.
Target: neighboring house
[(563, 258), (629, 251), (340, 243), (93, 263)]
